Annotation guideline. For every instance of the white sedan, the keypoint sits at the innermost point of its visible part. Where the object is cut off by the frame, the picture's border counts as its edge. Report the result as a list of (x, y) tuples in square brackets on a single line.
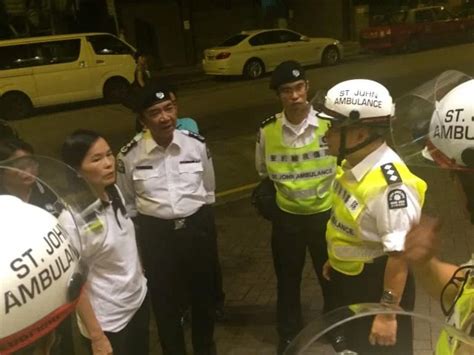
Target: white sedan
[(252, 53)]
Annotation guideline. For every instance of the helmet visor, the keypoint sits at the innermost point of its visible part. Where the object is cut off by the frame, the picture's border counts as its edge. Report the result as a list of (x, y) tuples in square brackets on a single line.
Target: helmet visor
[(416, 120), (339, 324), (41, 271)]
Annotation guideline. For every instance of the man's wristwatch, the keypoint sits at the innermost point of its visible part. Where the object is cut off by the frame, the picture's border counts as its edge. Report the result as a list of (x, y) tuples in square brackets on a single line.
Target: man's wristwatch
[(389, 298)]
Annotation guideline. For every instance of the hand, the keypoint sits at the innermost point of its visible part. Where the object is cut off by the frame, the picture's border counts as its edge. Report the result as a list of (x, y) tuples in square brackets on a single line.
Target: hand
[(421, 243), (327, 270), (384, 330), (101, 346)]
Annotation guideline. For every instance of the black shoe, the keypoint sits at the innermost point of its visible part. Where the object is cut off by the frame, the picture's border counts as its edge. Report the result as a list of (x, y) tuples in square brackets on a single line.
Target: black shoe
[(282, 345), (210, 351)]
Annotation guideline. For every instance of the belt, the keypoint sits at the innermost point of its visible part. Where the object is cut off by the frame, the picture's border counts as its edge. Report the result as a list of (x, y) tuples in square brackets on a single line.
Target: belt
[(182, 222)]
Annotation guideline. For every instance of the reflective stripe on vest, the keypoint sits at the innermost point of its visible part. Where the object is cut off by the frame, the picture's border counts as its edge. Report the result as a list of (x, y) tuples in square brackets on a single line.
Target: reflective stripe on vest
[(347, 250), (302, 176), (461, 318)]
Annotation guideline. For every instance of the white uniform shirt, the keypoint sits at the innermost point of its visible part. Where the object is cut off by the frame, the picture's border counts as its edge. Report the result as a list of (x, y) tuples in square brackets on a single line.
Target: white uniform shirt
[(378, 222), (168, 183), (294, 136), (116, 284)]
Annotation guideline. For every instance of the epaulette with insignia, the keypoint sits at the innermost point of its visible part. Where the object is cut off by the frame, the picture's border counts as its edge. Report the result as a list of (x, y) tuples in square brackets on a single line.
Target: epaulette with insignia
[(391, 175), (127, 147), (195, 136), (267, 121)]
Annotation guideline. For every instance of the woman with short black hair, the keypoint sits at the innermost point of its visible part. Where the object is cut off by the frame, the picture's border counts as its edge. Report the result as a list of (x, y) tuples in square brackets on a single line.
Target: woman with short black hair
[(114, 312)]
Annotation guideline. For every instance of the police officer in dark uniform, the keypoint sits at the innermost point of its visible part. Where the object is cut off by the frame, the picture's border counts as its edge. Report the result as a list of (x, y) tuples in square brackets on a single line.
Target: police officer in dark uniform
[(167, 179), (291, 151)]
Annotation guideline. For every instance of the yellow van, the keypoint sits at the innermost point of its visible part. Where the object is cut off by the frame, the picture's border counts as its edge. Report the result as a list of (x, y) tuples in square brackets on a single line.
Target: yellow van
[(50, 70)]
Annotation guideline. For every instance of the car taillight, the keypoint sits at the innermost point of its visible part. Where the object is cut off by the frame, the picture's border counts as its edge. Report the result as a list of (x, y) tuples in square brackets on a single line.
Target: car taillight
[(382, 33), (223, 55)]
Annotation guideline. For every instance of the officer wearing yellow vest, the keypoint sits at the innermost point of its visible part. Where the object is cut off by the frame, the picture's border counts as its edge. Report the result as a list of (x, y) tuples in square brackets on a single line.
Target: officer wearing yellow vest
[(292, 152), (376, 200), (453, 285)]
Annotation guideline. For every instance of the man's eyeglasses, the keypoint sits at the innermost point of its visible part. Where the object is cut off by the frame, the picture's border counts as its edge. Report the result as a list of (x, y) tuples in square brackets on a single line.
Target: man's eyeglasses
[(453, 290)]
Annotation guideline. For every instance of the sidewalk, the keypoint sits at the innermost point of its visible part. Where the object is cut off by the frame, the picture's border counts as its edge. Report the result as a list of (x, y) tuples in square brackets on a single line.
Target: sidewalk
[(250, 284), (193, 73)]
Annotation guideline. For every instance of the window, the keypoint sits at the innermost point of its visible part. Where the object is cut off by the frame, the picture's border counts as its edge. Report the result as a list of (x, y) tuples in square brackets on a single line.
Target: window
[(35, 54), (108, 45), (441, 14), (58, 51), (233, 41), (19, 56), (424, 16), (287, 36), (264, 38), (398, 17)]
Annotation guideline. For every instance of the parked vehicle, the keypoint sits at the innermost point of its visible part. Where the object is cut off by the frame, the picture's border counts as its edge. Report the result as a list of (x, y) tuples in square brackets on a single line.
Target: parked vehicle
[(49, 70), (413, 29), (252, 53)]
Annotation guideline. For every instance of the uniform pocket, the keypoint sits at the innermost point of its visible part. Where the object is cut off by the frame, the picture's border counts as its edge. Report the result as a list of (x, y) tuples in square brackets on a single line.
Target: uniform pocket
[(190, 168), (190, 176), (145, 180)]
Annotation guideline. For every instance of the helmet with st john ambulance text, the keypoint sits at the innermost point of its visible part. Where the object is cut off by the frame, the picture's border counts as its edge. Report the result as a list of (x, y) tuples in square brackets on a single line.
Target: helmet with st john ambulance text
[(434, 123), (451, 133), (355, 102), (41, 270)]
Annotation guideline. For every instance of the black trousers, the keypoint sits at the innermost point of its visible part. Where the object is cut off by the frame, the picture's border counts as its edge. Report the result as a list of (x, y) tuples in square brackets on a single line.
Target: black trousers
[(291, 236), (179, 260), (368, 287), (134, 338), (64, 343)]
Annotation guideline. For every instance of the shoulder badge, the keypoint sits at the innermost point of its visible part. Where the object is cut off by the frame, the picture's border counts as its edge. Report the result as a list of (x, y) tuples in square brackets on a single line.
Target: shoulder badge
[(120, 166), (267, 121), (195, 136), (397, 198), (391, 175), (128, 147)]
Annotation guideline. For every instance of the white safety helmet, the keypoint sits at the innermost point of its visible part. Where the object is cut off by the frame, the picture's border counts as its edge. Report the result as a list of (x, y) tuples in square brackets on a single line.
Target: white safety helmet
[(41, 270), (358, 101), (434, 125), (451, 133), (40, 274)]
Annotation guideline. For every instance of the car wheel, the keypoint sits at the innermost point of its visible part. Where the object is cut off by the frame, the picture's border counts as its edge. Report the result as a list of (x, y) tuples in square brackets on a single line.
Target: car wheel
[(254, 69), (116, 90), (413, 45), (330, 56), (15, 105)]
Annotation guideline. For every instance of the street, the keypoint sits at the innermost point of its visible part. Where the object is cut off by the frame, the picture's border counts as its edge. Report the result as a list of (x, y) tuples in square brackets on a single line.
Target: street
[(229, 111), (228, 114)]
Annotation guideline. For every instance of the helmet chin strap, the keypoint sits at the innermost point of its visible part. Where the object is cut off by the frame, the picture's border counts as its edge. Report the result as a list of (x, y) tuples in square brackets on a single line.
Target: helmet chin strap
[(344, 151)]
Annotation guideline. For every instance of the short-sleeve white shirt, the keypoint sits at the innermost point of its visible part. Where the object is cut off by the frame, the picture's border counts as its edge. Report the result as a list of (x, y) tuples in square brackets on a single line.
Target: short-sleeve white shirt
[(116, 284), (168, 183), (379, 223)]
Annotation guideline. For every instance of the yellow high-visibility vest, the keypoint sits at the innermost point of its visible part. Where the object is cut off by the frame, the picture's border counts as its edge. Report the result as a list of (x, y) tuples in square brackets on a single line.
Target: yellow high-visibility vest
[(302, 176), (347, 251)]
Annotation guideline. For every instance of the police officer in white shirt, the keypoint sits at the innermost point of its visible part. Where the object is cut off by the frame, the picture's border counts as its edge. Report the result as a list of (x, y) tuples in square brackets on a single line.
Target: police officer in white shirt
[(167, 179), (291, 151)]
